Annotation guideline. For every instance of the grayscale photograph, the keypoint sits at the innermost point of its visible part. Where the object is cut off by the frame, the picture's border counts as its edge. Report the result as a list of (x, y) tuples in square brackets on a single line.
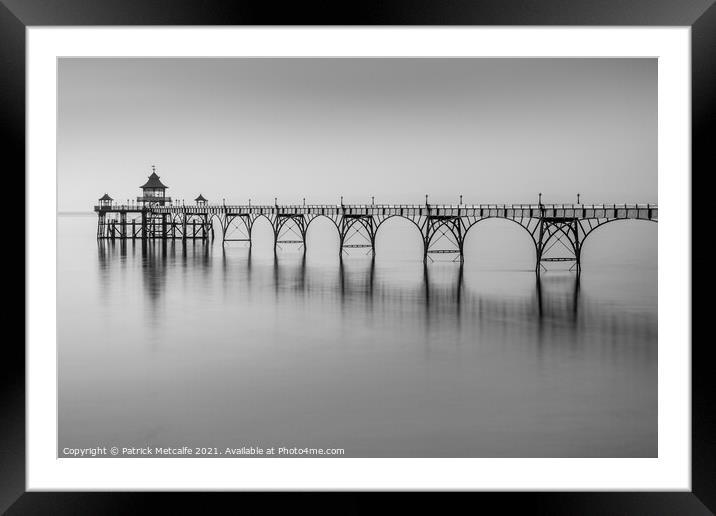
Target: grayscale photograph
[(357, 257)]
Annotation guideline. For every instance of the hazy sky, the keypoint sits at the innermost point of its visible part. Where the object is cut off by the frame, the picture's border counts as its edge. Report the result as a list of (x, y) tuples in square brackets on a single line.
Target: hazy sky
[(494, 130)]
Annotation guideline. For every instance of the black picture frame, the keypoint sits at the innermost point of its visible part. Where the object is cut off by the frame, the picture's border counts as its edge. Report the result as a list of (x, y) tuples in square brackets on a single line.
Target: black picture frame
[(700, 15)]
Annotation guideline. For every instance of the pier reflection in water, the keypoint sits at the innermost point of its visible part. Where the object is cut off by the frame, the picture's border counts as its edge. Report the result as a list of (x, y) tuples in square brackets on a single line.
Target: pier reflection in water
[(196, 343)]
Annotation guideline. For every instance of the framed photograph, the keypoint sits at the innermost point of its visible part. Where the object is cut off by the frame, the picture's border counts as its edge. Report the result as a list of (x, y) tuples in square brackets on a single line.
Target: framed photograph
[(438, 249)]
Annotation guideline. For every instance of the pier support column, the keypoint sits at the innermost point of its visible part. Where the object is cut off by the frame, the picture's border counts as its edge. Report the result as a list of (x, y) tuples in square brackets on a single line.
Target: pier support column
[(357, 231), (100, 226), (123, 224), (558, 241), (443, 234), (238, 227), (289, 228), (207, 228), (145, 225)]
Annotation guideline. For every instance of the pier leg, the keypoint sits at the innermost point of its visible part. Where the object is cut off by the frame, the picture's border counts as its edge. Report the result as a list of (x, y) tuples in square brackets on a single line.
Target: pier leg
[(374, 227), (540, 245), (357, 231), (460, 243), (145, 226), (224, 227), (443, 234), (123, 225), (577, 250), (558, 241)]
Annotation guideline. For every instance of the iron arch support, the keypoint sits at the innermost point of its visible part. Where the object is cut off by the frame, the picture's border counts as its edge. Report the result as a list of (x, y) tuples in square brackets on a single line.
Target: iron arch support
[(312, 219), (415, 223), (590, 231), (252, 222), (360, 225), (238, 221), (572, 239), (221, 224), (526, 228), (453, 226)]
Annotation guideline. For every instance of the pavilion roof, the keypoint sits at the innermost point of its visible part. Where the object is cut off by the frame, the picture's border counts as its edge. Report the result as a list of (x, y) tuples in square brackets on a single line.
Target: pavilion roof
[(105, 197), (153, 182), (200, 198)]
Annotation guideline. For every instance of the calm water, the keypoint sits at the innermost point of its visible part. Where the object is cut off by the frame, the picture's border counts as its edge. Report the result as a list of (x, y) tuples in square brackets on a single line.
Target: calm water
[(162, 345)]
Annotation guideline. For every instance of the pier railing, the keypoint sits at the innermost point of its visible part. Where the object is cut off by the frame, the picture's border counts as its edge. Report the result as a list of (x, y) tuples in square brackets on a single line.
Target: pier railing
[(302, 207)]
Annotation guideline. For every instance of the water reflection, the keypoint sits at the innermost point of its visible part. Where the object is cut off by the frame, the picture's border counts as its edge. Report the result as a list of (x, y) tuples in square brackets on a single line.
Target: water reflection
[(439, 295), (156, 259)]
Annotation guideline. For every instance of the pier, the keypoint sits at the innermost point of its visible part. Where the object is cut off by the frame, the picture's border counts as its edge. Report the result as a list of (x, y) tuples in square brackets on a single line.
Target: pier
[(558, 231)]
